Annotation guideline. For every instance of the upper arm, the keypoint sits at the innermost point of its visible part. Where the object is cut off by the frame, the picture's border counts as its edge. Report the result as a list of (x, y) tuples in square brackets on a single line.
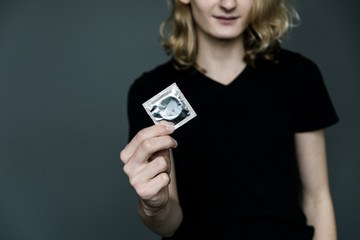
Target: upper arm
[(311, 157)]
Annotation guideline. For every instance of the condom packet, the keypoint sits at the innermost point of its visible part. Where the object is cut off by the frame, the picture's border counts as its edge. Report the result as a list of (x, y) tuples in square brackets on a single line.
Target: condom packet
[(170, 105)]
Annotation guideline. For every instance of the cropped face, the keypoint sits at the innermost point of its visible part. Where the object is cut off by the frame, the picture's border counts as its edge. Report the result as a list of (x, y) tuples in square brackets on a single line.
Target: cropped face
[(220, 19)]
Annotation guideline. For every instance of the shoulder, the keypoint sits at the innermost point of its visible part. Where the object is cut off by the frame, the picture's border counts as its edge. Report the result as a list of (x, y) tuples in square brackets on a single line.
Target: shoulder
[(287, 61), (152, 81), (142, 89), (295, 61), (291, 68), (154, 75), (303, 72)]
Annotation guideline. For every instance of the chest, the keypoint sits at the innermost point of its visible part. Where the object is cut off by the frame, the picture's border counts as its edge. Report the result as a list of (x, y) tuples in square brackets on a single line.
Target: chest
[(244, 130), (255, 110)]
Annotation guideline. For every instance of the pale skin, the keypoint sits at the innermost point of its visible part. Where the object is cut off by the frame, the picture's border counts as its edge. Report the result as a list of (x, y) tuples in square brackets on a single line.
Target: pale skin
[(317, 203), (148, 160)]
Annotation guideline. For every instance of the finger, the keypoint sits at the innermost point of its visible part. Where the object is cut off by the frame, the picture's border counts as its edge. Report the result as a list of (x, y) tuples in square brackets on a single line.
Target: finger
[(150, 189), (151, 146), (150, 132), (147, 151), (163, 153), (150, 171), (133, 168), (160, 164)]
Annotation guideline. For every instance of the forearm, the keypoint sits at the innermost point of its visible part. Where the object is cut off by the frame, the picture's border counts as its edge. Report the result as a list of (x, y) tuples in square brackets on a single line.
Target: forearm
[(320, 214), (164, 221)]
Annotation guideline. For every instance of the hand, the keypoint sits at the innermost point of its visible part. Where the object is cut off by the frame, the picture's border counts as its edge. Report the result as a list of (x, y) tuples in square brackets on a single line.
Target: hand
[(147, 164)]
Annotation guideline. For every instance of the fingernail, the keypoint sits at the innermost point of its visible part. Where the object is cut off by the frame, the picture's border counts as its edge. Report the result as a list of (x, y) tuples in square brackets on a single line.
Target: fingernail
[(176, 143), (170, 128)]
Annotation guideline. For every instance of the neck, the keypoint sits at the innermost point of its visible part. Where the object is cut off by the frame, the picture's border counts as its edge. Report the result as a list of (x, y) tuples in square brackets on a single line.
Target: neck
[(223, 60)]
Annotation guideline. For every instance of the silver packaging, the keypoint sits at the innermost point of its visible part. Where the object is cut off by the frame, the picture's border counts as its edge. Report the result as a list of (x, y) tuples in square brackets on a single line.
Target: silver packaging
[(170, 105)]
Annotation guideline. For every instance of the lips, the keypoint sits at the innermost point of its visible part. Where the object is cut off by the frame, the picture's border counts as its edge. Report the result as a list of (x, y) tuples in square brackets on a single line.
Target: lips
[(226, 19)]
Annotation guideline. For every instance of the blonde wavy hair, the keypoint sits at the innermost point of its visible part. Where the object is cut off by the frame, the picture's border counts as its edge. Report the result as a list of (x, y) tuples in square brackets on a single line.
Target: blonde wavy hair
[(270, 21)]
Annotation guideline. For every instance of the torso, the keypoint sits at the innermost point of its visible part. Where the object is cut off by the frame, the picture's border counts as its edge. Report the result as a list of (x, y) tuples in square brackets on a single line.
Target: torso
[(237, 155)]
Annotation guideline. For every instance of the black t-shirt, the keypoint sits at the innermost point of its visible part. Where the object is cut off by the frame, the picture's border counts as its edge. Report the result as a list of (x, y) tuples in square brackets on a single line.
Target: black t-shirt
[(236, 170)]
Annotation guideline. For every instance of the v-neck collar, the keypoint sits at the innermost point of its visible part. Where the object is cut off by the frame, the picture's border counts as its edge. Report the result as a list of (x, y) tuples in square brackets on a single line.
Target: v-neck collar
[(216, 83)]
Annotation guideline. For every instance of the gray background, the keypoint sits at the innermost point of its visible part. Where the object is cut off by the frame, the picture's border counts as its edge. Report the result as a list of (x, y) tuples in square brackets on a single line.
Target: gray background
[(65, 69)]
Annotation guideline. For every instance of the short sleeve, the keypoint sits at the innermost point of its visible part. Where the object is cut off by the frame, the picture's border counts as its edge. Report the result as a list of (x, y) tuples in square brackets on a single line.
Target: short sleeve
[(314, 108), (137, 116)]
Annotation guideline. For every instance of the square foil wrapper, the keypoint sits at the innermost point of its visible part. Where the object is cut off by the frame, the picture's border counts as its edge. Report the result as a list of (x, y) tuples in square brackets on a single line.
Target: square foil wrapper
[(170, 105)]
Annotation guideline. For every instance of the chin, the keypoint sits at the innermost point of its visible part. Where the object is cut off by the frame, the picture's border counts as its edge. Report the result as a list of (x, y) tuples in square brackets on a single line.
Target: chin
[(227, 37)]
